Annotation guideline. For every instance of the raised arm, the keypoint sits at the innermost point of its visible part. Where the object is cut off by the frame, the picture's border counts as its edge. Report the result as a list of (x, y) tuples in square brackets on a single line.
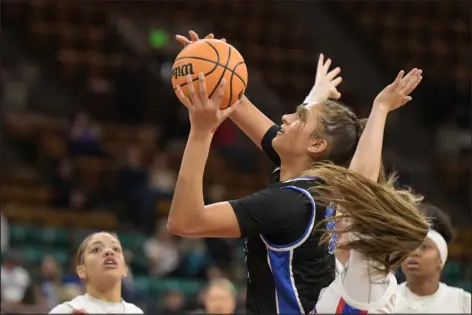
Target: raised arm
[(252, 215), (367, 158), (252, 121)]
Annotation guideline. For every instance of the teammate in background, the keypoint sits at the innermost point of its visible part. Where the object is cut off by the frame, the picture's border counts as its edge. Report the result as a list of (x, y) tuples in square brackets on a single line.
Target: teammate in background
[(100, 263), (423, 292), (287, 267)]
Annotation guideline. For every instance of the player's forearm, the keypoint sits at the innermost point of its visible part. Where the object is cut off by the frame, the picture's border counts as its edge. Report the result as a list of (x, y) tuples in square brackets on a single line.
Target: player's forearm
[(188, 202), (251, 121), (368, 156)]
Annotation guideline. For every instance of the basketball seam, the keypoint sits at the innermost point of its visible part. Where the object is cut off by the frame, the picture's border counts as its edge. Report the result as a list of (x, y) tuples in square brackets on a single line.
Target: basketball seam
[(231, 82), (217, 63), (224, 70)]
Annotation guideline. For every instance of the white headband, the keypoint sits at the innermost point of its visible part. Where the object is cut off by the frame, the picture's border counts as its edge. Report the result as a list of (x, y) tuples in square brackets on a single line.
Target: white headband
[(440, 243)]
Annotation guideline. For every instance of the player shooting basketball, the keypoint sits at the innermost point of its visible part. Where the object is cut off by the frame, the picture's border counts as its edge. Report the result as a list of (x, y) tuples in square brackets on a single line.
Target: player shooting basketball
[(283, 255)]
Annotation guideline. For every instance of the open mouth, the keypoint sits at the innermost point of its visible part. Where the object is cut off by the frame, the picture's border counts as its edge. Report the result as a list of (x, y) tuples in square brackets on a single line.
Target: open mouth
[(110, 262), (280, 131)]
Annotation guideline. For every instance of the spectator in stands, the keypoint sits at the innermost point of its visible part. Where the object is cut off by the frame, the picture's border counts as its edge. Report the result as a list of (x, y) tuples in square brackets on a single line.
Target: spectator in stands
[(4, 237), (162, 252), (132, 180), (50, 284), (161, 177), (78, 200), (220, 249), (131, 92), (63, 183), (220, 297), (84, 136), (241, 305), (195, 259), (172, 302), (128, 288), (15, 279), (70, 276), (161, 183)]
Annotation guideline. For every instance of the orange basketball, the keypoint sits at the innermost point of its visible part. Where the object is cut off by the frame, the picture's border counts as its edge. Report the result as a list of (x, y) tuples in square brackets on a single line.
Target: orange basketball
[(217, 60)]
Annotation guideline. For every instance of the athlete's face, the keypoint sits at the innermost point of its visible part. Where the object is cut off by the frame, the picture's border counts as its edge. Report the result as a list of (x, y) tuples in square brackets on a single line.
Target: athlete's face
[(219, 300), (424, 262), (103, 259), (295, 138)]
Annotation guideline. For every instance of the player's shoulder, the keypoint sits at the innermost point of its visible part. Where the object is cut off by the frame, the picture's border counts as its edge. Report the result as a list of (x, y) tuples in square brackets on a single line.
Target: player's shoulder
[(132, 309), (454, 290), (79, 302), (63, 308)]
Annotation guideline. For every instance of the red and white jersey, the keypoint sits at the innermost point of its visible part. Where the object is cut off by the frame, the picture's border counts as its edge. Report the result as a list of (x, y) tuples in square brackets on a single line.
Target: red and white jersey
[(357, 291)]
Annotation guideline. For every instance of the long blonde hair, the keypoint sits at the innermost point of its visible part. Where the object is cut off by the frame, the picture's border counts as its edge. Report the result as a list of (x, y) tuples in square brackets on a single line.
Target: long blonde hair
[(388, 225)]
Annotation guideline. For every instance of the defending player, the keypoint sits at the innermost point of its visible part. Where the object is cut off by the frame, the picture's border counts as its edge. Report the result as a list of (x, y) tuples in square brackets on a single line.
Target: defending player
[(100, 263)]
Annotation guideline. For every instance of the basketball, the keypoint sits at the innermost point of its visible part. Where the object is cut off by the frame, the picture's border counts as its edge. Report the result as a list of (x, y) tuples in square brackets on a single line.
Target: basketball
[(217, 60)]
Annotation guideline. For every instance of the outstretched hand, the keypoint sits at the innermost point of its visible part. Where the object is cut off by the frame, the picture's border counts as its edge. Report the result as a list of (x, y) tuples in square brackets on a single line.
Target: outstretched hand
[(193, 38), (325, 83), (205, 113), (398, 93)]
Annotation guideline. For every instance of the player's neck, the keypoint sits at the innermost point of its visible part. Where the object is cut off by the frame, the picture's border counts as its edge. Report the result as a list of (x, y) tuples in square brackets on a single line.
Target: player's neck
[(111, 295), (424, 287), (292, 169)]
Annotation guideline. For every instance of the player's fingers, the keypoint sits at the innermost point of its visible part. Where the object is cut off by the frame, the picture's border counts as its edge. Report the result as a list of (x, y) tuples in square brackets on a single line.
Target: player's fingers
[(398, 79), (183, 40), (210, 36), (192, 93), (226, 112), (408, 77), (182, 97), (335, 95), (411, 74), (327, 65), (411, 85), (202, 88), (333, 73), (406, 99), (337, 81), (320, 63), (219, 93), (193, 36), (223, 39)]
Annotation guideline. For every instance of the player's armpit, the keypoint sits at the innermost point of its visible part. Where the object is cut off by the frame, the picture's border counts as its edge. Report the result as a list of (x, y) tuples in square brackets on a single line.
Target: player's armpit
[(217, 220)]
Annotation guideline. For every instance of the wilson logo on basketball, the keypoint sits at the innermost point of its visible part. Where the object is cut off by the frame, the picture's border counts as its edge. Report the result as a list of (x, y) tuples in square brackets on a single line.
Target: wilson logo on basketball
[(182, 71)]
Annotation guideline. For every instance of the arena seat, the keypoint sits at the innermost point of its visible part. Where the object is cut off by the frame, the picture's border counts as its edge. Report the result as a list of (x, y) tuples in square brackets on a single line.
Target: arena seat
[(406, 30), (21, 194), (452, 269), (132, 241), (155, 287), (21, 175), (33, 255), (38, 235)]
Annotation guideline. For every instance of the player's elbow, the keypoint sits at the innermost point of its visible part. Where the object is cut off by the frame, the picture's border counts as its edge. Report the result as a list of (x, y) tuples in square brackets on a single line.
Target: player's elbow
[(181, 229), (175, 228)]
